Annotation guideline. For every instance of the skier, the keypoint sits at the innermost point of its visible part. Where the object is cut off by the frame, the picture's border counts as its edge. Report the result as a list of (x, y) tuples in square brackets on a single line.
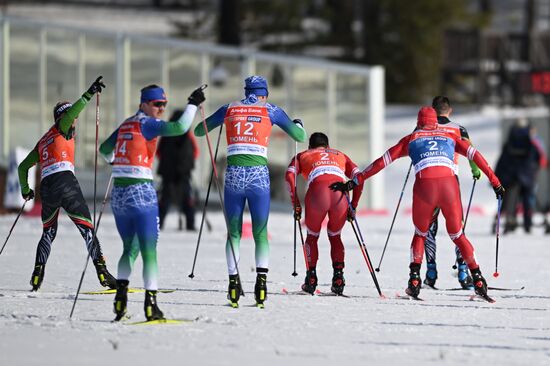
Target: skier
[(248, 127), (442, 106), (131, 151), (432, 152), (177, 155), (518, 165), (321, 165), (59, 188)]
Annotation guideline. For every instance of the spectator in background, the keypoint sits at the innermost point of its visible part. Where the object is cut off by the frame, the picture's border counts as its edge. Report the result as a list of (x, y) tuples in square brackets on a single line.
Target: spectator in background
[(177, 155), (521, 158)]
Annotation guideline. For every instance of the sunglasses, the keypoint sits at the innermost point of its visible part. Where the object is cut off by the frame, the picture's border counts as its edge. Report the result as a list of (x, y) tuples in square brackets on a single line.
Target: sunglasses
[(159, 104)]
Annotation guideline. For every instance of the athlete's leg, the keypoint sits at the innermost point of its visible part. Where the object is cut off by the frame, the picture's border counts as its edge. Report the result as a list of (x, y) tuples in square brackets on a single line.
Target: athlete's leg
[(234, 196), (337, 215), (425, 196), (317, 204), (430, 244), (258, 195)]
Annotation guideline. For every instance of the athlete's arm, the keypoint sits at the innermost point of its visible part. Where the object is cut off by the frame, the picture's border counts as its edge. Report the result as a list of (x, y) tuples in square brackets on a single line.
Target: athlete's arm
[(397, 151), (153, 127), (290, 177), (351, 171), (463, 148), (23, 170), (72, 113), (476, 173), (280, 118), (212, 121), (108, 146)]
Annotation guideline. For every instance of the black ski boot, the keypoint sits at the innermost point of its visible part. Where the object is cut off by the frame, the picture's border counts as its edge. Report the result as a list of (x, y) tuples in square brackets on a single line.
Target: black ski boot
[(338, 281), (234, 290), (121, 299), (480, 285), (413, 287), (260, 289), (105, 278), (37, 276), (431, 275), (152, 311), (310, 282)]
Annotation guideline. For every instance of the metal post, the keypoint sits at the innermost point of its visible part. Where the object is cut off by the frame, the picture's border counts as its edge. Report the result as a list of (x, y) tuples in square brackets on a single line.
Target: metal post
[(248, 65), (5, 89), (165, 70), (375, 102), (80, 84), (122, 77), (331, 108), (42, 81)]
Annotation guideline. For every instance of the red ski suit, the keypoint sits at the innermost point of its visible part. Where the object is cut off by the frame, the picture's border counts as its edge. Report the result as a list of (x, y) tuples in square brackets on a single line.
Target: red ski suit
[(432, 153), (320, 167)]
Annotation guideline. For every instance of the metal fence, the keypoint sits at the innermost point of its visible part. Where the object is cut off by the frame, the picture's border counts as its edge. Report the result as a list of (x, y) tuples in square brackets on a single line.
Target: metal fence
[(43, 63)]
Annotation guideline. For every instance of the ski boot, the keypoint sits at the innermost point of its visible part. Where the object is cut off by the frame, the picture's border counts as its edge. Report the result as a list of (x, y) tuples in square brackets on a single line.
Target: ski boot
[(413, 286), (480, 285), (464, 278), (152, 311), (338, 281), (234, 290), (431, 275), (121, 299), (310, 282), (37, 276), (105, 278), (260, 289)]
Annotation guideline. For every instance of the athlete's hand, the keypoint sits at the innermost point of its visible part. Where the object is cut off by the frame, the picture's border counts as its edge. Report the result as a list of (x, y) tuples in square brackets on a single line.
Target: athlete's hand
[(476, 173), (499, 191), (297, 212), (298, 121), (29, 195), (351, 214), (97, 86), (343, 186), (196, 97)]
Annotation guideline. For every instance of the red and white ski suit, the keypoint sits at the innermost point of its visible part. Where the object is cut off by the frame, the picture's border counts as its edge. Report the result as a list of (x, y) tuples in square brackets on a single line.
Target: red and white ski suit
[(321, 167), (432, 153)]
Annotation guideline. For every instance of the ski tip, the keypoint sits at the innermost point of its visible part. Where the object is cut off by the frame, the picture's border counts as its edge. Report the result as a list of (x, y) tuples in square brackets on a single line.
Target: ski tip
[(234, 305), (260, 306)]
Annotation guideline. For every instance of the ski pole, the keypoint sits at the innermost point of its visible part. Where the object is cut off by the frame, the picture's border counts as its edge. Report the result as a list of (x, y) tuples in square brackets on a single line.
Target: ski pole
[(13, 226), (218, 185), (499, 204), (303, 245), (192, 274), (294, 273), (95, 197), (393, 220), (363, 247), (469, 205)]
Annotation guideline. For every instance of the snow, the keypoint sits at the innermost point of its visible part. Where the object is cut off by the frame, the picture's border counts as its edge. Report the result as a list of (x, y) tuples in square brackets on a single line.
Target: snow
[(446, 328)]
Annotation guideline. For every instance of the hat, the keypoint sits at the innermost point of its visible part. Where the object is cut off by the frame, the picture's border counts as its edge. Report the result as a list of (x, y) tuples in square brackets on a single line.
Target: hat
[(59, 109), (255, 85), (427, 118), (153, 94)]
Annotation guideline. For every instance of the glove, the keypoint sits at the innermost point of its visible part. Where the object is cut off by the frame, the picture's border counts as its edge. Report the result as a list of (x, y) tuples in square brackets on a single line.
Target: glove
[(298, 122), (297, 212), (96, 86), (29, 195), (343, 186), (499, 191), (476, 174), (351, 214), (196, 97)]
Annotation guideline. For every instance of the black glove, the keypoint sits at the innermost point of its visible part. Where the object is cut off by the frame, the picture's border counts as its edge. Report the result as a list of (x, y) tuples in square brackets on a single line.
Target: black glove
[(97, 86), (28, 196), (297, 212), (298, 121), (196, 97), (351, 214), (343, 186), (499, 191)]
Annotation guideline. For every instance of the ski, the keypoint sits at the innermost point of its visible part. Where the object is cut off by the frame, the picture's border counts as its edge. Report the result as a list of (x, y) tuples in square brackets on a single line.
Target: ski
[(299, 292), (160, 321), (488, 288), (130, 290), (319, 293), (482, 297), (408, 297), (431, 287)]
